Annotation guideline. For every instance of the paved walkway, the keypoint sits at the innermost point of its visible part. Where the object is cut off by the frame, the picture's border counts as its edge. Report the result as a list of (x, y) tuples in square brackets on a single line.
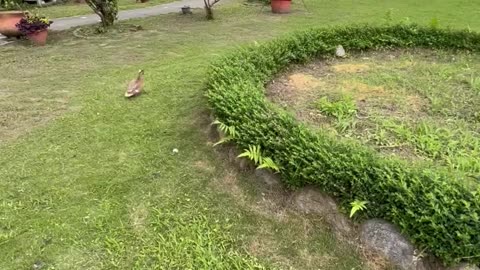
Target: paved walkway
[(69, 22), (66, 23)]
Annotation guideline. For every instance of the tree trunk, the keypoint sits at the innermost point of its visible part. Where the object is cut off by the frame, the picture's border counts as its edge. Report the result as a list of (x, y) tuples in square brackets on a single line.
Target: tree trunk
[(106, 9), (209, 12), (109, 17)]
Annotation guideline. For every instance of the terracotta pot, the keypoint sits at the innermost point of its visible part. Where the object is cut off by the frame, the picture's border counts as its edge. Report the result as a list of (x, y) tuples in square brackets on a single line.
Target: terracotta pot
[(281, 6), (39, 38), (8, 20)]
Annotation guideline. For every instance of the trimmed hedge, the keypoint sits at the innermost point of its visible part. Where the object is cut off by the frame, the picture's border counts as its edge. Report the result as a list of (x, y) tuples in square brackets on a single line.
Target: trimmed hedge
[(437, 212)]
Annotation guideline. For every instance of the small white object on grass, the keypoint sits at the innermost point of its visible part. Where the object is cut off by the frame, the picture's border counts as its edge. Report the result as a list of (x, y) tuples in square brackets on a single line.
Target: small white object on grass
[(175, 151), (340, 51)]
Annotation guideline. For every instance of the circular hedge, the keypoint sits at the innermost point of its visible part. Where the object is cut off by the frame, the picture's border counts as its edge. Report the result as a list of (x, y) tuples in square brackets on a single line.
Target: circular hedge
[(437, 211)]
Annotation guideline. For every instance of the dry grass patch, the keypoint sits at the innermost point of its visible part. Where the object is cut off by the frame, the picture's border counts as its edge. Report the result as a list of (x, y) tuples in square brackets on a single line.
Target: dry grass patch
[(304, 82), (350, 68)]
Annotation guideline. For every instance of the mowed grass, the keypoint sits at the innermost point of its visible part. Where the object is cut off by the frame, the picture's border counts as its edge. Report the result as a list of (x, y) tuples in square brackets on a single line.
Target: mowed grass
[(71, 8), (418, 105), (89, 179)]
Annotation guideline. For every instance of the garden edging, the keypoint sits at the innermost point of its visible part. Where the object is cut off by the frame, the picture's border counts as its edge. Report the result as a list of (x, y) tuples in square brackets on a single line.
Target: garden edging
[(439, 214)]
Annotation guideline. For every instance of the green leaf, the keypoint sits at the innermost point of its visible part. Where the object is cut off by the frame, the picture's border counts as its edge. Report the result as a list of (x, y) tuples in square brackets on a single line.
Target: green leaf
[(357, 206), (268, 163), (224, 140)]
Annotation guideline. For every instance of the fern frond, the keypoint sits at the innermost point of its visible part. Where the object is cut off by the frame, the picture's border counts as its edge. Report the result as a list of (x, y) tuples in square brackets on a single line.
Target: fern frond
[(226, 129), (232, 132), (357, 206), (245, 154), (223, 128), (253, 153), (268, 163), (256, 154), (223, 140)]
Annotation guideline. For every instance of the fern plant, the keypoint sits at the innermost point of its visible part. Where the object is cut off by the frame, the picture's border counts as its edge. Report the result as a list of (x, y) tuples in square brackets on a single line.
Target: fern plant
[(229, 132), (254, 153), (357, 206), (268, 163)]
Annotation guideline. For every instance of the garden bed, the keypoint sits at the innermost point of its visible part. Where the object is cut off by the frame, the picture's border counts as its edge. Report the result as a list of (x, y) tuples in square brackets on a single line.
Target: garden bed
[(440, 214), (418, 105)]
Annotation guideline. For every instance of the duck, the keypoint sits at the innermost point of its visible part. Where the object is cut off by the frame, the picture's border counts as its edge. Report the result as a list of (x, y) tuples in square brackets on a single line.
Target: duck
[(135, 87)]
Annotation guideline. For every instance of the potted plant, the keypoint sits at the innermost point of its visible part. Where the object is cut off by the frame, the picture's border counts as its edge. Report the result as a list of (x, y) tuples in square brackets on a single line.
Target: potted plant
[(281, 6), (186, 10), (35, 28), (8, 20)]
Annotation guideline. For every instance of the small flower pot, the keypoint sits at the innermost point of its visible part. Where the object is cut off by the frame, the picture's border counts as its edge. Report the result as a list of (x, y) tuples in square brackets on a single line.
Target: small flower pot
[(281, 6), (38, 38), (186, 10), (8, 21)]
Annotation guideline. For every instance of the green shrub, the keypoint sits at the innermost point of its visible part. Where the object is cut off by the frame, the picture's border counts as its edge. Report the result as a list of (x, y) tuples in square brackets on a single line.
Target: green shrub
[(435, 210)]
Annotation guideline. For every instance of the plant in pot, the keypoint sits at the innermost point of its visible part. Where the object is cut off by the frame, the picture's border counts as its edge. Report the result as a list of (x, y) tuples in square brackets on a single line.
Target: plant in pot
[(9, 16), (281, 6), (35, 28), (8, 20)]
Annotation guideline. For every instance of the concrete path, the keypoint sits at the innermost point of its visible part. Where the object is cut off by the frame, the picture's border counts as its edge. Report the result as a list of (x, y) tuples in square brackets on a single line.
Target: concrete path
[(69, 22), (4, 41)]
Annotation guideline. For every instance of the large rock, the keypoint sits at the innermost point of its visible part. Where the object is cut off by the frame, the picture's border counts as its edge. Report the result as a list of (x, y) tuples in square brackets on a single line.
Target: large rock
[(384, 238), (270, 179), (312, 201)]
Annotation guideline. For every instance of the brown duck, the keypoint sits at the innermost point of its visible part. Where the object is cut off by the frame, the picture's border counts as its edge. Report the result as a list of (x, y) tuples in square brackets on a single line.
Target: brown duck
[(135, 87)]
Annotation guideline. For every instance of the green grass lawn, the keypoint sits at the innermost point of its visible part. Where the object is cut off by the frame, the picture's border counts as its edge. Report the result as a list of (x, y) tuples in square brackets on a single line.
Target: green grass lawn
[(89, 180), (75, 9)]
